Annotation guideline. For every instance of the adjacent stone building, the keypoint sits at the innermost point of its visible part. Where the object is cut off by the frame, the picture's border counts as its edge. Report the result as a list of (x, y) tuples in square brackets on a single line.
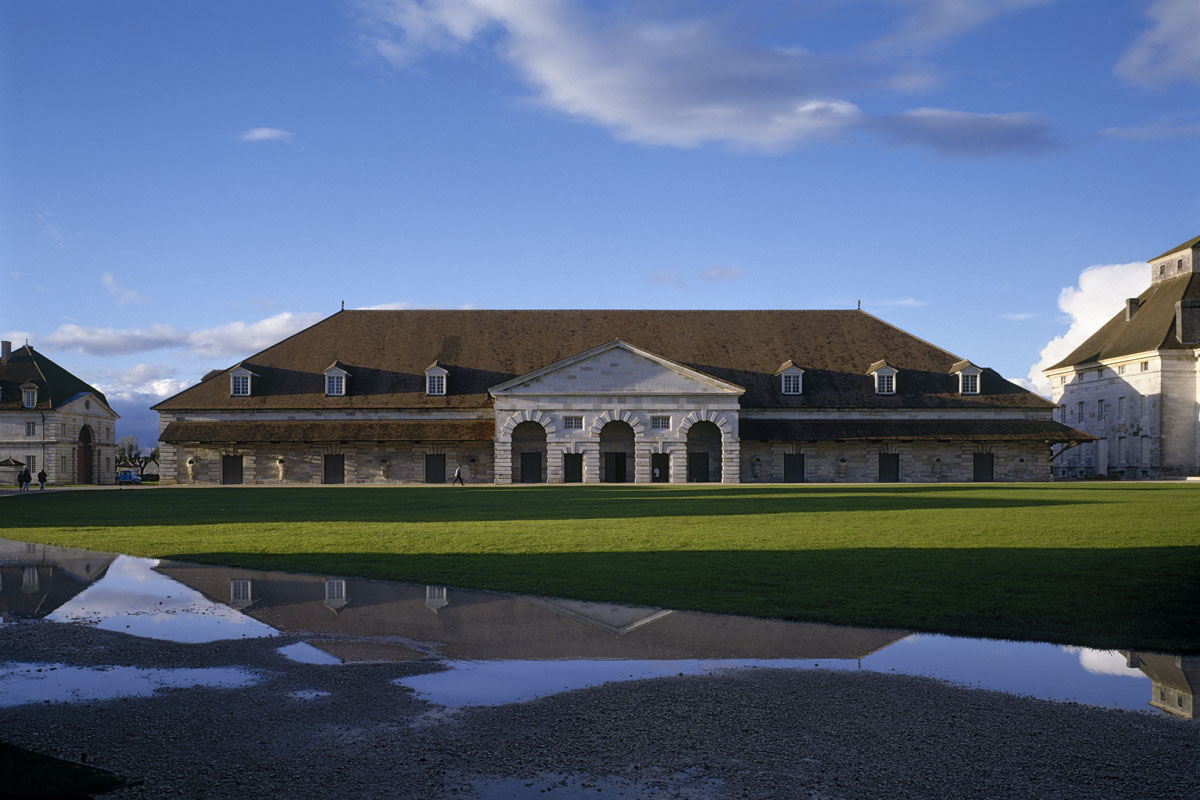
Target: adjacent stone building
[(375, 397), (1134, 383), (52, 420)]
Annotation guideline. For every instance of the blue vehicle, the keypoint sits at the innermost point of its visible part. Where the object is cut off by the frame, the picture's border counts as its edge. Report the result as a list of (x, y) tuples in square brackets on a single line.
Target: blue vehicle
[(128, 476)]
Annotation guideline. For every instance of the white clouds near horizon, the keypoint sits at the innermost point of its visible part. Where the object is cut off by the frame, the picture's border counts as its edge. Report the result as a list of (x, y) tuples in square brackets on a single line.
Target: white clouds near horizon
[(685, 76), (265, 135), (229, 339), (1099, 294)]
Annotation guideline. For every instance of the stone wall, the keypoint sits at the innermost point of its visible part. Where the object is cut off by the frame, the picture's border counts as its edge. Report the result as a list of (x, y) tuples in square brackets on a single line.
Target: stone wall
[(920, 462)]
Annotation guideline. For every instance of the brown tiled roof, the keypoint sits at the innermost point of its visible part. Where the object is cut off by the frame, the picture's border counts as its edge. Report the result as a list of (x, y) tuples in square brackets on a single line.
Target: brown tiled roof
[(1152, 326), (1188, 245), (387, 353), (906, 430), (436, 430), (55, 385)]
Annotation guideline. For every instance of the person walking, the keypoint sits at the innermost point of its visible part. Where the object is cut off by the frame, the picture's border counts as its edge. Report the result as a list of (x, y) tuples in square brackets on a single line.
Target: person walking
[(458, 478), (23, 480), (42, 480)]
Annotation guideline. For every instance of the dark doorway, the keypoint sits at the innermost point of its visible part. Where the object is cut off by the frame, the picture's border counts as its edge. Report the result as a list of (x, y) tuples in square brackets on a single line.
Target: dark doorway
[(435, 467), (985, 467), (698, 468), (335, 469), (231, 469), (793, 468), (704, 444), (889, 467), (614, 468), (531, 467), (572, 467), (660, 467), (84, 457)]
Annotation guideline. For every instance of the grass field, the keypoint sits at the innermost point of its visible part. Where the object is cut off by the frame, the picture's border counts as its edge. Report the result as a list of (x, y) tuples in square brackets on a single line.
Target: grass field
[(1101, 565)]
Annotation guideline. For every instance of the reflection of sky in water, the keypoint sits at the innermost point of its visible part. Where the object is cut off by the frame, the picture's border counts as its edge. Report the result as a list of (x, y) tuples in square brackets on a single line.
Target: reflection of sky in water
[(307, 654), (21, 684), (1045, 671), (132, 598)]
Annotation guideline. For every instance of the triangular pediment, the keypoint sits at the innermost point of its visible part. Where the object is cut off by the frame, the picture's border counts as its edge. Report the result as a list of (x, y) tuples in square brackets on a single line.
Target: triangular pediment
[(616, 368)]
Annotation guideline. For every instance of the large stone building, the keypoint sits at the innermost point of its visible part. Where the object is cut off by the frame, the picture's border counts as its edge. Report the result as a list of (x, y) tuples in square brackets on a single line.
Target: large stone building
[(605, 396), (52, 420), (1135, 383)]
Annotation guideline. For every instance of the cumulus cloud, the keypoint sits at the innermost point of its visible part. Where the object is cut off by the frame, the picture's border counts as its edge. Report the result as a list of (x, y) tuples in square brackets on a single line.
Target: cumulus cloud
[(962, 133), (683, 76), (721, 274), (230, 339), (151, 382), (265, 135), (123, 296), (1100, 293), (1104, 662), (1169, 50)]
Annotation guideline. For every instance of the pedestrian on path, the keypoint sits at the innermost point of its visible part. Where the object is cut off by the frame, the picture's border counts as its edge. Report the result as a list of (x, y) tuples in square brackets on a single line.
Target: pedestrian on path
[(42, 480), (23, 480), (458, 478)]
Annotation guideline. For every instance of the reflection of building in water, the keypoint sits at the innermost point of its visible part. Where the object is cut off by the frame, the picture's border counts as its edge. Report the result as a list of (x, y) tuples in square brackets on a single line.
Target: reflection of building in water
[(1173, 680), (378, 620), (36, 579)]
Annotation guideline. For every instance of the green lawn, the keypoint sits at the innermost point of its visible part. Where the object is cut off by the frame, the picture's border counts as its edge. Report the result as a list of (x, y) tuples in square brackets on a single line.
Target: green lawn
[(1102, 565)]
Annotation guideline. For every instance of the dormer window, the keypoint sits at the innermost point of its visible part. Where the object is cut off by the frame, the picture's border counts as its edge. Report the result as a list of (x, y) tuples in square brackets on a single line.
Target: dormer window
[(435, 379), (336, 379), (791, 378), (968, 377), (885, 377), (239, 382), (29, 396)]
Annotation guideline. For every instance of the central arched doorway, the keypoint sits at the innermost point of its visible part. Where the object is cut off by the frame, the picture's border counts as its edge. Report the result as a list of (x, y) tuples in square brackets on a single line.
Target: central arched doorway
[(704, 453), (83, 453), (529, 453), (616, 452)]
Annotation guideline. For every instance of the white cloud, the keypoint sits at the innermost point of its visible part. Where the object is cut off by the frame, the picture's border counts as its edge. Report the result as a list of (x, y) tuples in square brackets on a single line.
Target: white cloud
[(721, 274), (123, 296), (669, 277), (1169, 50), (900, 302), (230, 339), (1101, 292), (1104, 662), (964, 133), (1018, 316), (1169, 126), (265, 135), (684, 76), (405, 306)]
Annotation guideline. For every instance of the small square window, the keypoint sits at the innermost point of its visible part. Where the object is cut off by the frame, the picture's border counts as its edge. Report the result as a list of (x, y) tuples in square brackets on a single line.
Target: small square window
[(1062, 380), (791, 384), (573, 423), (31, 429), (885, 384), (660, 423), (240, 386), (1121, 370), (436, 384), (239, 590), (335, 590), (970, 384), (1144, 366), (335, 385)]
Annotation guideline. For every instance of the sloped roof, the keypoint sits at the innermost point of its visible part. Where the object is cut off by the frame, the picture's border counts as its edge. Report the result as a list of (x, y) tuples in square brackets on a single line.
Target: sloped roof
[(55, 385), (485, 348), (1152, 326), (1188, 245)]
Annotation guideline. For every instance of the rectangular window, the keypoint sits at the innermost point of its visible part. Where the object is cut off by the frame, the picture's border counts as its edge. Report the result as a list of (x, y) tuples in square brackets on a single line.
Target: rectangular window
[(1144, 366), (335, 385), (1100, 410), (791, 384), (239, 590), (31, 462), (437, 384), (660, 423), (885, 384), (970, 384), (335, 590), (1121, 370), (240, 386), (1062, 380), (1079, 411), (573, 423), (1120, 449), (31, 429), (29, 398), (1120, 409)]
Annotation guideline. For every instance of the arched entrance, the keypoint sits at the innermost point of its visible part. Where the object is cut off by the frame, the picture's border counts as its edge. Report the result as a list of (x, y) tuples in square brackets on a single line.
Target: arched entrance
[(83, 454), (616, 452), (704, 453), (529, 453)]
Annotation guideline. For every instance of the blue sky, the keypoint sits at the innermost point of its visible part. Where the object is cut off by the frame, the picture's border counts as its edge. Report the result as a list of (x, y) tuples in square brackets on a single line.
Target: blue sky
[(182, 184)]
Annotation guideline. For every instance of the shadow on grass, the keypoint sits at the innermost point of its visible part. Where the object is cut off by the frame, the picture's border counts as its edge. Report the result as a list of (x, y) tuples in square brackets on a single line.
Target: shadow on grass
[(1140, 598), (493, 504)]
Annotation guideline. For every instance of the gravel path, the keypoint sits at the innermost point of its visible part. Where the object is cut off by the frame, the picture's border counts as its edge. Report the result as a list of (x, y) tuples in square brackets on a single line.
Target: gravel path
[(753, 733)]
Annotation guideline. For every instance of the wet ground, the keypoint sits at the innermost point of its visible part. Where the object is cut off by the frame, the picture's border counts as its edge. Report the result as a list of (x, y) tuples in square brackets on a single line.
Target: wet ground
[(212, 682)]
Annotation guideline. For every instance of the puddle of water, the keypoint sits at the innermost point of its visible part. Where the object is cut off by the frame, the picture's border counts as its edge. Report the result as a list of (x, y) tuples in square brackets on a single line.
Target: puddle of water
[(574, 787), (493, 683), (24, 683), (132, 598), (307, 654)]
